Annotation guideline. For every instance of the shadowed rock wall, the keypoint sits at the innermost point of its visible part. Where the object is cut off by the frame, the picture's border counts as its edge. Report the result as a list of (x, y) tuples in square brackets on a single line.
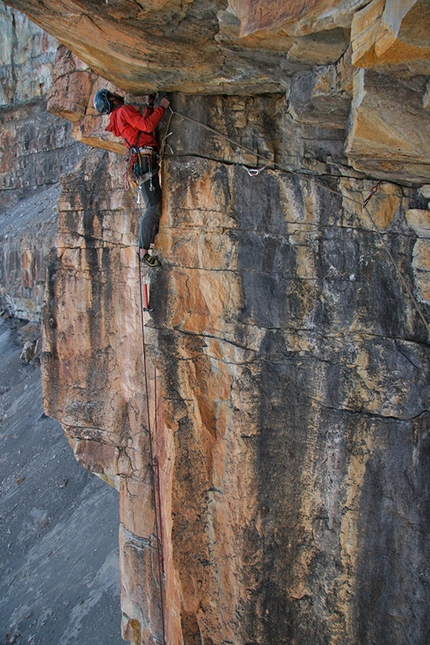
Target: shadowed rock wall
[(287, 378), (36, 149), (26, 58)]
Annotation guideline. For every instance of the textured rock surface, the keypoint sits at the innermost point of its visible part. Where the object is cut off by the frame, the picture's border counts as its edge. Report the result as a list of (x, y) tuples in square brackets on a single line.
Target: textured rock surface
[(240, 46), (27, 235), (59, 580), (391, 32), (253, 48), (381, 103), (26, 58), (288, 387), (419, 221), (384, 111), (36, 149)]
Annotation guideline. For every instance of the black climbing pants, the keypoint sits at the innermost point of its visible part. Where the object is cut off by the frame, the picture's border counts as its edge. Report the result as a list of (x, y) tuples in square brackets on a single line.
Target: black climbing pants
[(152, 201)]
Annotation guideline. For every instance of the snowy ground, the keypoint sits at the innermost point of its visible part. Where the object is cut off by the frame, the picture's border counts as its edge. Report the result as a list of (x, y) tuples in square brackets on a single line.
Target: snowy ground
[(59, 576)]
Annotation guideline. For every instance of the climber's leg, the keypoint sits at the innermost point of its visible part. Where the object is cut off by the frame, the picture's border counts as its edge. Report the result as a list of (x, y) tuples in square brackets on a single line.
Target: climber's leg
[(150, 220)]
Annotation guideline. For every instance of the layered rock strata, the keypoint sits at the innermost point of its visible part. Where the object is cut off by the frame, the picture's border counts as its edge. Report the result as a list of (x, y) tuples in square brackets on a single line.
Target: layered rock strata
[(285, 387), (380, 100), (26, 58), (36, 150)]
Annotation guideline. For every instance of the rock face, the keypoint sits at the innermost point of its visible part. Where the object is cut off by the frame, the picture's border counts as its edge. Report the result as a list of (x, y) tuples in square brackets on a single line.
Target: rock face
[(285, 387), (37, 149), (27, 234), (267, 424), (363, 70)]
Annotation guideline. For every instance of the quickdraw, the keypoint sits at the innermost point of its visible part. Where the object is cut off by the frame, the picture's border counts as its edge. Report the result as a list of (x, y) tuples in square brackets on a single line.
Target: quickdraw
[(253, 172), (372, 192)]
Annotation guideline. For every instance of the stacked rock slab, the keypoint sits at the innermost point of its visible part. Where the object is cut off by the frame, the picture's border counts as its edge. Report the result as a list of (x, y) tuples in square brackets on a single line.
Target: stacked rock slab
[(287, 367)]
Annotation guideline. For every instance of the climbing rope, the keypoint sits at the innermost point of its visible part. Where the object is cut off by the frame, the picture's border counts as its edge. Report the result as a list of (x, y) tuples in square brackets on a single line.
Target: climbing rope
[(155, 479), (252, 172)]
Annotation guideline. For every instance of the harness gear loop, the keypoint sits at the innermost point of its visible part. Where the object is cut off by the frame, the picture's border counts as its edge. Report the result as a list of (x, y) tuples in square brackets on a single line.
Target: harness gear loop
[(135, 172)]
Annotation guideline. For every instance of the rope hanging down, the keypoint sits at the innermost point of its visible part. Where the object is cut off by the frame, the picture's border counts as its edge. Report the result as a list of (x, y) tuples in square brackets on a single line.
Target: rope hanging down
[(153, 461), (252, 172)]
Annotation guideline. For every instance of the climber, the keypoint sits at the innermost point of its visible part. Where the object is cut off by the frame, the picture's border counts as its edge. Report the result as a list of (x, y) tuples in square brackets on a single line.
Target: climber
[(137, 131)]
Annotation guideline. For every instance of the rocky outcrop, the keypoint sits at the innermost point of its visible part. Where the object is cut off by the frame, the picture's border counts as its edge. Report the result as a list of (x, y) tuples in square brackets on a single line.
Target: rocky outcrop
[(419, 221), (381, 104), (37, 150), (330, 62), (388, 132), (389, 33), (27, 235)]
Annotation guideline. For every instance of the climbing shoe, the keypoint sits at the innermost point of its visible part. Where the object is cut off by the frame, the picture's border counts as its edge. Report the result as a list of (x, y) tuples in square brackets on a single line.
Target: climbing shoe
[(151, 260)]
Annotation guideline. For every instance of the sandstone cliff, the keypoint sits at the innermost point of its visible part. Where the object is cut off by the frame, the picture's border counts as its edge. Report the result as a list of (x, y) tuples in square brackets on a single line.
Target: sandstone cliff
[(269, 432)]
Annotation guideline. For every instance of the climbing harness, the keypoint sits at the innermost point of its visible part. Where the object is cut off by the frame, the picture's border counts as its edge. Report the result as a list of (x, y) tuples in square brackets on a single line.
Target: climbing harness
[(253, 172), (140, 166), (152, 429)]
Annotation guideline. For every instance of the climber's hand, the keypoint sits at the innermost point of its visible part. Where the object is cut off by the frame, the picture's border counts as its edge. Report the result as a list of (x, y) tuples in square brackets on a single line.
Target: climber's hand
[(164, 103)]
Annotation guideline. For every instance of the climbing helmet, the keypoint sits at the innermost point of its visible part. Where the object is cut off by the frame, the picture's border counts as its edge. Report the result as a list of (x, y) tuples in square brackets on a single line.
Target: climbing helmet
[(102, 102)]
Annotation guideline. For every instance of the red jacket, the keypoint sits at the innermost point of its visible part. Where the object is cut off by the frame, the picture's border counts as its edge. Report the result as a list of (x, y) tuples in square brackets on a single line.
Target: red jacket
[(126, 122)]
